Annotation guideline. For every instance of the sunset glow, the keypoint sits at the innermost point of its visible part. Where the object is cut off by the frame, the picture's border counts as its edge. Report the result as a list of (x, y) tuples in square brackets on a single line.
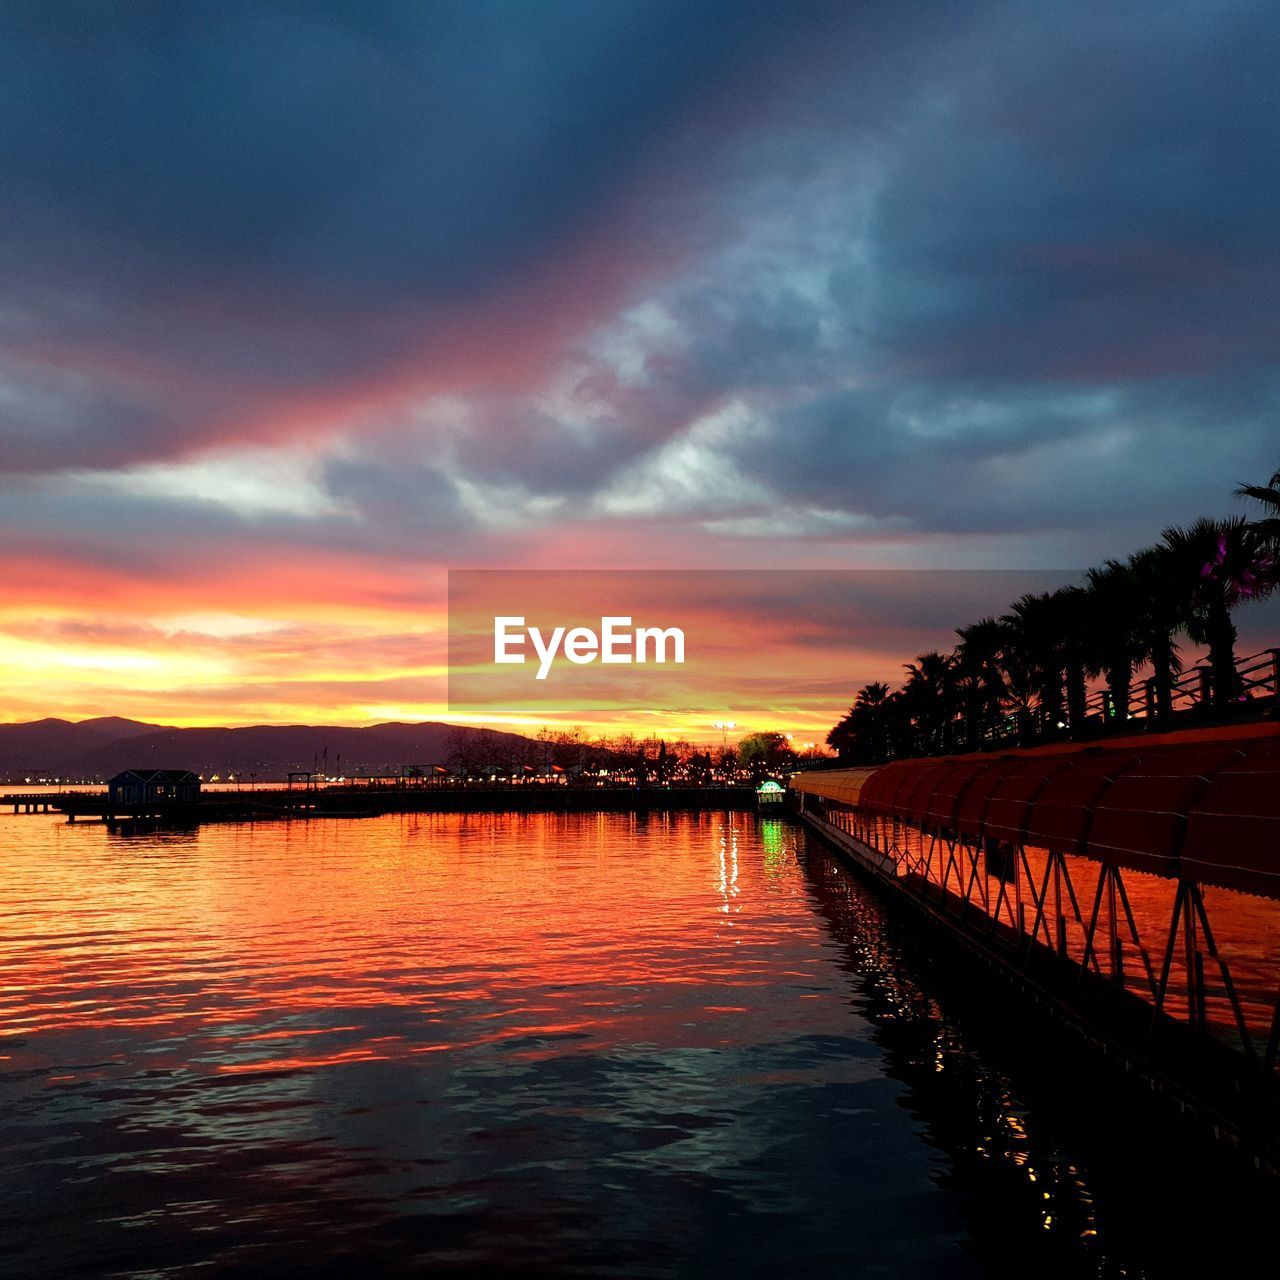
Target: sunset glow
[(639, 638), (645, 329)]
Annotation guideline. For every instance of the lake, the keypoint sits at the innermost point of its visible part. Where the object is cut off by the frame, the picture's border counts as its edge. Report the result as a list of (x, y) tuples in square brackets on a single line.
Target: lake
[(538, 1045)]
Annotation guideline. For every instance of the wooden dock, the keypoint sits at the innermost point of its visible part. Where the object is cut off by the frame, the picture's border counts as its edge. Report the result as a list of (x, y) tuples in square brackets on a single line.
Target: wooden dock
[(358, 802), (32, 802)]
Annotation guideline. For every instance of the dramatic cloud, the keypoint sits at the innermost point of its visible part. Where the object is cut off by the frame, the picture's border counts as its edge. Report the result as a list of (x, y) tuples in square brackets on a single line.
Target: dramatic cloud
[(301, 304), (224, 220)]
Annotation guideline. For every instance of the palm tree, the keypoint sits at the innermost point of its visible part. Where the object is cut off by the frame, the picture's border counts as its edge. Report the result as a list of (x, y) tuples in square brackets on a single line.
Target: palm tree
[(1032, 650), (930, 696), (899, 731), (1224, 562), (1114, 645), (979, 678), (1162, 608), (1022, 683), (1268, 526), (864, 731), (1074, 626)]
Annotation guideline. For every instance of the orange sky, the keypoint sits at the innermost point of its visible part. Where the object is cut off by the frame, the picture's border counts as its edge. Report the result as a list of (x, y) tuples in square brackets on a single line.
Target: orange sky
[(342, 638), (285, 338), (337, 639)]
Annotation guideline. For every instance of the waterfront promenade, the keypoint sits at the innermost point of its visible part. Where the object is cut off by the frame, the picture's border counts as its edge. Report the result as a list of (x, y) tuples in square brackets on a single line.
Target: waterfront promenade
[(1132, 889)]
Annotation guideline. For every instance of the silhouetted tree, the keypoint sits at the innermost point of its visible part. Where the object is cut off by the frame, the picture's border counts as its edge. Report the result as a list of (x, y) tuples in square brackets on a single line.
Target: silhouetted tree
[(1114, 647), (764, 751), (863, 733), (1042, 652), (1222, 562), (1032, 647), (929, 699), (980, 679), (1267, 526), (1071, 608), (1162, 607)]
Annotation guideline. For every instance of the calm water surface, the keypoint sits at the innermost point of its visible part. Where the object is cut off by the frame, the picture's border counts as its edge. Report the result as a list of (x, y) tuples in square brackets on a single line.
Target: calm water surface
[(595, 1045)]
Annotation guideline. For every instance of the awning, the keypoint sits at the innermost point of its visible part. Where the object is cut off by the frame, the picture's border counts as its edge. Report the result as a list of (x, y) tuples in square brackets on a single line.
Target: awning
[(1203, 804), (843, 785)]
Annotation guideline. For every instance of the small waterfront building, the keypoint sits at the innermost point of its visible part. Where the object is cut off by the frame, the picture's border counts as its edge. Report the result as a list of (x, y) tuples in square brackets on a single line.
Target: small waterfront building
[(154, 786), (770, 792)]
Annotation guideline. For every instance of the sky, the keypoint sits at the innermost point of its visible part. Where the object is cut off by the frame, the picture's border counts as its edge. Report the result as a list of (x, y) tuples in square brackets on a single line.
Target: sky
[(303, 305)]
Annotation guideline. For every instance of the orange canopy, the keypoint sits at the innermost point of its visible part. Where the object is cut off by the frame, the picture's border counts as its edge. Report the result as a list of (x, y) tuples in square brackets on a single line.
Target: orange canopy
[(1204, 804)]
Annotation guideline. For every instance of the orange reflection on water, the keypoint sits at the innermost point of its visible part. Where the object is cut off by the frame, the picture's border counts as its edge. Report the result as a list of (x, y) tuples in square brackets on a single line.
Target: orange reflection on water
[(385, 938), (259, 1049)]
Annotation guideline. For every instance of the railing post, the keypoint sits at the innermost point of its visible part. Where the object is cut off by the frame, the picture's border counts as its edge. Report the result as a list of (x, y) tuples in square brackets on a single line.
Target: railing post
[(1206, 684), (1149, 694), (1275, 671)]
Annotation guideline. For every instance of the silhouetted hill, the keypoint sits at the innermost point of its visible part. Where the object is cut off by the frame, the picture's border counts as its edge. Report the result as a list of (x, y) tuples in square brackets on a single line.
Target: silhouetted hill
[(99, 748), (118, 726), (42, 746)]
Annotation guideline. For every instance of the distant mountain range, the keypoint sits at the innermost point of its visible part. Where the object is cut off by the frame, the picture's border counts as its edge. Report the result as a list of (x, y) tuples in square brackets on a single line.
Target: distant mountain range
[(101, 747)]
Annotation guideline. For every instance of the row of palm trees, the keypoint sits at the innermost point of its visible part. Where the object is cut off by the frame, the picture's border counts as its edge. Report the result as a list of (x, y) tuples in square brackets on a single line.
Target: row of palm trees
[(1025, 675)]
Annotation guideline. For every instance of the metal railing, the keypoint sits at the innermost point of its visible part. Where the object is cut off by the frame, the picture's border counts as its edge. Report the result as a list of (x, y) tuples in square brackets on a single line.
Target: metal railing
[(1147, 939), (1259, 675), (1191, 692)]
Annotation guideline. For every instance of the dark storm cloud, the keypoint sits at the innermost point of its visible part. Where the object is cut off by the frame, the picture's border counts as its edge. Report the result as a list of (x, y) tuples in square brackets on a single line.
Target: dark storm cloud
[(369, 150), (1111, 466), (1064, 309), (213, 206), (1091, 198), (1065, 319), (965, 270), (1074, 322)]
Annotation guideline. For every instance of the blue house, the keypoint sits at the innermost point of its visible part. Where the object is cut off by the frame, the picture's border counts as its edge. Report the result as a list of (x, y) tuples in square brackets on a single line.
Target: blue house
[(154, 786)]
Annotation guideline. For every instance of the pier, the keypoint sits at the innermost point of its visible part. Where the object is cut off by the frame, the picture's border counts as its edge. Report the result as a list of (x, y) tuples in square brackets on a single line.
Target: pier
[(1131, 890), (32, 802), (287, 803)]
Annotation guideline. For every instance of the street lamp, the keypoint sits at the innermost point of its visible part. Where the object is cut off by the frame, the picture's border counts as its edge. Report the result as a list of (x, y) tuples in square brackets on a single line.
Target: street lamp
[(724, 726)]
